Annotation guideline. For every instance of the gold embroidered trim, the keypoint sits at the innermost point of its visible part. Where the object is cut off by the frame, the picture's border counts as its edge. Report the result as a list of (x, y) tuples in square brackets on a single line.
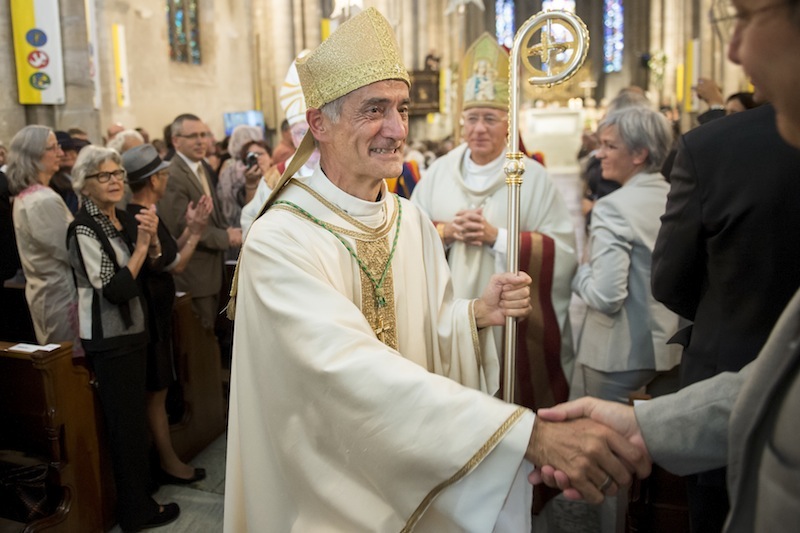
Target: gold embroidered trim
[(466, 469), (382, 320), (476, 340), (338, 229), (361, 51), (374, 233)]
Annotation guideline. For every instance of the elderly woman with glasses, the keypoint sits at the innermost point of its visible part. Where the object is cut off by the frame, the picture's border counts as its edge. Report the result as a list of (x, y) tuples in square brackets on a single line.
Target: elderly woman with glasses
[(41, 219), (107, 250), (623, 343)]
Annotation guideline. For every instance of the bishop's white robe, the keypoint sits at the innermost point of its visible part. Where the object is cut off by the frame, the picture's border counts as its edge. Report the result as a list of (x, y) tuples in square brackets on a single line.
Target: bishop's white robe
[(547, 253), (332, 430)]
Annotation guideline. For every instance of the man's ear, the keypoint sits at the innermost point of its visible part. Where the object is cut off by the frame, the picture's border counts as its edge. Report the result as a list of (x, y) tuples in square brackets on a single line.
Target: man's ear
[(317, 123)]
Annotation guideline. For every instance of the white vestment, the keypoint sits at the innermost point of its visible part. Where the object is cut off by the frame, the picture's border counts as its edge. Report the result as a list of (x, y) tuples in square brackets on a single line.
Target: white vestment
[(445, 190), (330, 429), (251, 210)]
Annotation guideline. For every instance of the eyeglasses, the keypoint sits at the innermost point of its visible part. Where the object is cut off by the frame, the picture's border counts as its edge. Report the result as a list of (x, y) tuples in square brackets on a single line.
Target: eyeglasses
[(195, 136), (105, 177), (490, 120), (728, 15)]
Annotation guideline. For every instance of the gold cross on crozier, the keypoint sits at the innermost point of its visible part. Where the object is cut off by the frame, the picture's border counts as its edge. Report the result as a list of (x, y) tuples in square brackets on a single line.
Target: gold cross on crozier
[(546, 46)]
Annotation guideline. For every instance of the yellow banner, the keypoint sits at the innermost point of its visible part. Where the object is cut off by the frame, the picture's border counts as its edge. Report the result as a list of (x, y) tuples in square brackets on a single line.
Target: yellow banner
[(691, 75), (120, 65), (325, 28), (36, 28)]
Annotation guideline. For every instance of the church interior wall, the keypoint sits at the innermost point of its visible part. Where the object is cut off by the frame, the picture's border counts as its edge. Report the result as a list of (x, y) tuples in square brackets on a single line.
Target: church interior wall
[(247, 46), (79, 87), (160, 88), (674, 26)]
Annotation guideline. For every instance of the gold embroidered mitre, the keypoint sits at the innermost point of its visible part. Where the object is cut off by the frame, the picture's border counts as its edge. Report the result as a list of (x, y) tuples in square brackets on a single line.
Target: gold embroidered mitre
[(291, 96), (484, 75), (361, 51)]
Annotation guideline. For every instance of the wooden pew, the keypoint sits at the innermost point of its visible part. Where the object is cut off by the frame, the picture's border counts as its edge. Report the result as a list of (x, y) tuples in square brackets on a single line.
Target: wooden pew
[(48, 410)]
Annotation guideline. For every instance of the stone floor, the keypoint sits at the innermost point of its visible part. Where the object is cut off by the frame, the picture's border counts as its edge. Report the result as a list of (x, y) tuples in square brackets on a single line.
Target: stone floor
[(201, 503)]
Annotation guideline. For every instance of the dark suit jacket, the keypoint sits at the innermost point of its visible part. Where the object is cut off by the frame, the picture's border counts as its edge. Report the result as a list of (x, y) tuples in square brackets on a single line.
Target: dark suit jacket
[(9, 256), (711, 114), (724, 257), (204, 273)]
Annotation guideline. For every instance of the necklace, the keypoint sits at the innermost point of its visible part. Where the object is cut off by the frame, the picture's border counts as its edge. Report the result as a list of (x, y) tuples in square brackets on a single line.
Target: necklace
[(377, 284)]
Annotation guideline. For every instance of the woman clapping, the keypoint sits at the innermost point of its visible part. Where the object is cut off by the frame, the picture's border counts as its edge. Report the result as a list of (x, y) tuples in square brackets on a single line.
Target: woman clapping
[(107, 249)]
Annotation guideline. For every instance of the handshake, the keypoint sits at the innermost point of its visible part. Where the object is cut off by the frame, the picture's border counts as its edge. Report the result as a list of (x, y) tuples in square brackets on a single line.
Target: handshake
[(587, 448)]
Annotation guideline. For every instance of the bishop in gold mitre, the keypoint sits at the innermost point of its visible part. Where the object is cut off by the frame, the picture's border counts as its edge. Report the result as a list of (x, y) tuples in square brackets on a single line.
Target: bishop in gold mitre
[(361, 390)]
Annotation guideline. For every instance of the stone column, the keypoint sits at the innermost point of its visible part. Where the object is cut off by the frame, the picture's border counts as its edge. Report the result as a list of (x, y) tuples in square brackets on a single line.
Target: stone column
[(79, 109)]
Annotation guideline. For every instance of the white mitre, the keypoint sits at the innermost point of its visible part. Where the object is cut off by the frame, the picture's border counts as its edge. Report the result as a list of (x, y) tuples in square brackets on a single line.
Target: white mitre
[(291, 95)]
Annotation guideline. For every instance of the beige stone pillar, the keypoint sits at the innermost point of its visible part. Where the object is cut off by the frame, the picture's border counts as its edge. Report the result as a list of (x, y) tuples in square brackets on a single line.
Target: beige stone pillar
[(79, 109)]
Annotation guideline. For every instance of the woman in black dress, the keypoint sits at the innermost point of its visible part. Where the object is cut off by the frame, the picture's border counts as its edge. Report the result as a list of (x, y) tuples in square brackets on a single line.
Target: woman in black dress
[(147, 178)]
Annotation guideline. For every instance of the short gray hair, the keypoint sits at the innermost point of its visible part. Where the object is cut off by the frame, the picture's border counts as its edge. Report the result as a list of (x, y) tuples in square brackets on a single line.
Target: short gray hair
[(333, 109), (25, 157), (642, 128), (176, 128), (88, 163), (628, 97), (120, 140)]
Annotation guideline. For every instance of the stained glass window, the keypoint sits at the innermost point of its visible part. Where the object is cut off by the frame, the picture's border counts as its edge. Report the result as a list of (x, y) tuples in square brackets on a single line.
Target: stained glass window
[(561, 5), (558, 32), (614, 36), (504, 25), (184, 31)]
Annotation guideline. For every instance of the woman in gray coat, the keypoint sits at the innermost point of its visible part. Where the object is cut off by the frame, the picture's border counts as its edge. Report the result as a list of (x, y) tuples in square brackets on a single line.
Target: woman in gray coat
[(623, 343)]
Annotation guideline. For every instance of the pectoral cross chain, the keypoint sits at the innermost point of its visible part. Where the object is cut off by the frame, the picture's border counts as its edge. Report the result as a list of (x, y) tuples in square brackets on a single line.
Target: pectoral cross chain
[(382, 330)]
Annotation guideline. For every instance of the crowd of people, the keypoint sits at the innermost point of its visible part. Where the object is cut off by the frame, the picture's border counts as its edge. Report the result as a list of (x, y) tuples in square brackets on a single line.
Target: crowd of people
[(101, 268), (371, 290)]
